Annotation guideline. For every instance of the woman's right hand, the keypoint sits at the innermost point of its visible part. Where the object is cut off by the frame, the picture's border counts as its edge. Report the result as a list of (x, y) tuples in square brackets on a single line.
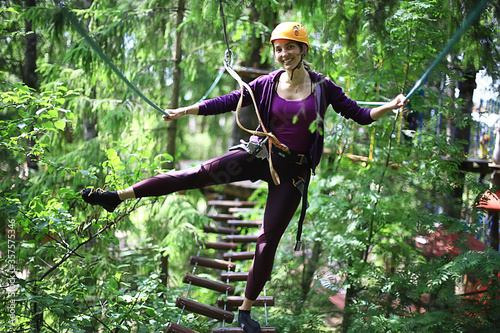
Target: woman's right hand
[(174, 114), (179, 112)]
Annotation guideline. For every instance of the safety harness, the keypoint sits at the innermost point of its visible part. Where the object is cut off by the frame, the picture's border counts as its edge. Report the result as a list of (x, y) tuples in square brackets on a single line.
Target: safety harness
[(270, 145), (259, 150)]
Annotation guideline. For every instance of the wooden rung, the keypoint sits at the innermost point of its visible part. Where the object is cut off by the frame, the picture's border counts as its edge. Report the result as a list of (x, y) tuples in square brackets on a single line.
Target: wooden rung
[(221, 217), (213, 263), (221, 230), (231, 203), (244, 224), (234, 276), (241, 238), (233, 301), (205, 310), (240, 330), (221, 245), (175, 328), (209, 284), (239, 255)]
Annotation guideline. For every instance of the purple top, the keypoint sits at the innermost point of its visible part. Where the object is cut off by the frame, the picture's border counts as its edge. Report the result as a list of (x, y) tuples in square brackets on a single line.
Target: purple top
[(326, 93), (291, 121)]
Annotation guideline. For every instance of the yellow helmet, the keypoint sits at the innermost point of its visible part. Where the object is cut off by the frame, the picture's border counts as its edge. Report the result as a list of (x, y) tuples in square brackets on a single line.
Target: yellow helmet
[(291, 31)]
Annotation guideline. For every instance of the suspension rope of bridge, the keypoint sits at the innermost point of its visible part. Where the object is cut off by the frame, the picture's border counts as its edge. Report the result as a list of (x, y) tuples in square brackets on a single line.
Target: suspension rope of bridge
[(71, 17), (212, 87), (83, 32), (473, 16), (468, 22)]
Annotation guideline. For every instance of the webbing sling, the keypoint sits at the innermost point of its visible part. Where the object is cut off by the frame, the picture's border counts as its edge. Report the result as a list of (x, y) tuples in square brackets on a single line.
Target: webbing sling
[(272, 140), (305, 205), (83, 32)]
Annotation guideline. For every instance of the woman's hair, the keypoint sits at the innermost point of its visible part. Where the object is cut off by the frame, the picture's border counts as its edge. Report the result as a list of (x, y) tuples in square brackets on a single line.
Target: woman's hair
[(303, 50)]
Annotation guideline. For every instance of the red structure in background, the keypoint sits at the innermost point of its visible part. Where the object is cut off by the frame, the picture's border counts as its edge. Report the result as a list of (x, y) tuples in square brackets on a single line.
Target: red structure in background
[(490, 201), (442, 242)]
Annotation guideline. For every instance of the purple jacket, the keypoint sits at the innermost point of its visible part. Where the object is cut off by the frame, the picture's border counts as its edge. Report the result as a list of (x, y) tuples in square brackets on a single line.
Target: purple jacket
[(327, 93)]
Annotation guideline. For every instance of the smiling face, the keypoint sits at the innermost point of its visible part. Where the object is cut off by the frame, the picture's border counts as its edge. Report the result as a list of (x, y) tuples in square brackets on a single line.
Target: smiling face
[(287, 53)]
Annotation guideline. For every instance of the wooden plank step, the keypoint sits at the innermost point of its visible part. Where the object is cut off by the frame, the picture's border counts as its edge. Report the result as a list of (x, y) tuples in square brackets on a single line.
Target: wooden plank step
[(213, 263), (240, 330), (239, 255), (208, 284), (241, 238), (221, 230), (204, 309), (233, 301), (234, 276), (231, 203), (244, 224), (221, 245), (175, 328), (221, 217)]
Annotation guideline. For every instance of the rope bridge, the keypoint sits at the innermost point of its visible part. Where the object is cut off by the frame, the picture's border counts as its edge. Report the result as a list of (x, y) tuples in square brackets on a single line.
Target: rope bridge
[(235, 238)]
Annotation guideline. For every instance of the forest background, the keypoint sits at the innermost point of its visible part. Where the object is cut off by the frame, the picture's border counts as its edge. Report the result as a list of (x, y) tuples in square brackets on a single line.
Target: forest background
[(68, 122)]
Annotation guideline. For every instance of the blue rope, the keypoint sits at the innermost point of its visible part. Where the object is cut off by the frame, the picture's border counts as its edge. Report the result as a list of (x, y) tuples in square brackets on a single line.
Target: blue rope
[(212, 87), (472, 17), (371, 103), (74, 21)]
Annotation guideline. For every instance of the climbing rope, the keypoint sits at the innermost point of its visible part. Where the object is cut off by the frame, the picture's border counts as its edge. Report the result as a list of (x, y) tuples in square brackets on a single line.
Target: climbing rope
[(83, 32)]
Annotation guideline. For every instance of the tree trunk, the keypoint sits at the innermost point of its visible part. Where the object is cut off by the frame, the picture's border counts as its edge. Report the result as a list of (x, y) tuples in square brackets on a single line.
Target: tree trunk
[(310, 269), (29, 76), (462, 134), (350, 296), (164, 270), (90, 118), (466, 88), (174, 103), (90, 114), (31, 80)]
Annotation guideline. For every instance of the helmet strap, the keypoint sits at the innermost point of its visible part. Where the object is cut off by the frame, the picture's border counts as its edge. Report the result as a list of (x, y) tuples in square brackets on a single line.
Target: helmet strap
[(298, 66)]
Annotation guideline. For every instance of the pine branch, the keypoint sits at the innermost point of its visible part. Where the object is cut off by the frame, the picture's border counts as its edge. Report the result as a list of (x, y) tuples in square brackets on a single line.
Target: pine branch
[(73, 251)]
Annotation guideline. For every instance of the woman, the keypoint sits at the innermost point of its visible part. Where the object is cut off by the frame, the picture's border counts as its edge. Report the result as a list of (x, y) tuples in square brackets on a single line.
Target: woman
[(289, 102)]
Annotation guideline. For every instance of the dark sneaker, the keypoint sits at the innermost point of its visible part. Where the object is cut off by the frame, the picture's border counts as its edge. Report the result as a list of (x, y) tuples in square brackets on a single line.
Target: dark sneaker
[(248, 324), (107, 199)]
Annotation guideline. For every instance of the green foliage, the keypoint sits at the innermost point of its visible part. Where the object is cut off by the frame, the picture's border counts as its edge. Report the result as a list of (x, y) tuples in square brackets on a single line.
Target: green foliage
[(115, 287)]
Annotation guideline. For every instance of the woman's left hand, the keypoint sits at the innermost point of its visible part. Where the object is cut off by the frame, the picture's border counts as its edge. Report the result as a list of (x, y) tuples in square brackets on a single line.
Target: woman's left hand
[(398, 102)]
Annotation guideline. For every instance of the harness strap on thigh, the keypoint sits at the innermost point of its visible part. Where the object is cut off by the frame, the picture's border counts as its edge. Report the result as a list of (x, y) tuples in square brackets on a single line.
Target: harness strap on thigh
[(302, 185)]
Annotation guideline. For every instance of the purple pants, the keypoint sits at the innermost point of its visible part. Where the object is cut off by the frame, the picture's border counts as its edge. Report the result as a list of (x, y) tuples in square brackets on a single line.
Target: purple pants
[(238, 165)]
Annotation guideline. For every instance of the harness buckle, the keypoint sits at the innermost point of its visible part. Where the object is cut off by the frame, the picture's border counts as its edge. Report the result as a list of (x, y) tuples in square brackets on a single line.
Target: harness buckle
[(302, 159), (299, 184), (257, 149)]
